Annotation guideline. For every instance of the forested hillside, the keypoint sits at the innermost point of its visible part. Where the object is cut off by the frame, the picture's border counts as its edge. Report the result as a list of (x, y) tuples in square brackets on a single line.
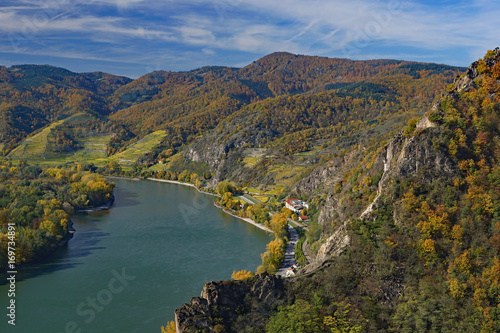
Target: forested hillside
[(407, 231), (39, 204), (425, 256), (32, 97), (189, 104), (301, 102), (397, 161)]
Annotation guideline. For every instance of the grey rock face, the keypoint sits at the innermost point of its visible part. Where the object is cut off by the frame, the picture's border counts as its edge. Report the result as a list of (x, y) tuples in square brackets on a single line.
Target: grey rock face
[(224, 304)]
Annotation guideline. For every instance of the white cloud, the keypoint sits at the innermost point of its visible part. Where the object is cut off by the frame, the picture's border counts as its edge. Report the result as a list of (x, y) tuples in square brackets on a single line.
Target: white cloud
[(358, 28)]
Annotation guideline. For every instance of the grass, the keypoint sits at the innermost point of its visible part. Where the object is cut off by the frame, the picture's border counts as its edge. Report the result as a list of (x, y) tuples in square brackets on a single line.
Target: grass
[(276, 190), (253, 190), (33, 149), (250, 161), (92, 151), (250, 198), (261, 198), (315, 150), (141, 147), (34, 146), (271, 190), (255, 152), (156, 167), (285, 174)]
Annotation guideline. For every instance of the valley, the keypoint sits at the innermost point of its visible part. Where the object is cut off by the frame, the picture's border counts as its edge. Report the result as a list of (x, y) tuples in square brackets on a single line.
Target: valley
[(396, 164)]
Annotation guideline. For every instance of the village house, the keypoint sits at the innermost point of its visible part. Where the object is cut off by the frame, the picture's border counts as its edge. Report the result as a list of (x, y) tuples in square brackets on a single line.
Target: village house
[(290, 272), (296, 205)]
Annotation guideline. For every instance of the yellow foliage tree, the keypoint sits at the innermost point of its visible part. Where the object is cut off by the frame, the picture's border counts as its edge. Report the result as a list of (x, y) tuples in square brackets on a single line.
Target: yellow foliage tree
[(241, 275), (169, 328), (278, 224), (457, 289), (461, 265), (341, 322), (49, 226), (428, 246), (275, 247), (457, 233), (286, 211), (437, 222)]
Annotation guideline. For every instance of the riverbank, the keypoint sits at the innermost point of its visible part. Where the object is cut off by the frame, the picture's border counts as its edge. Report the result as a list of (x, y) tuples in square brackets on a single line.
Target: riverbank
[(260, 226), (106, 206), (119, 177), (182, 183), (246, 219)]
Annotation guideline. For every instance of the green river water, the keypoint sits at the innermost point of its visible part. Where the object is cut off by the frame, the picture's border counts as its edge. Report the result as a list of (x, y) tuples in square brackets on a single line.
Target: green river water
[(127, 269)]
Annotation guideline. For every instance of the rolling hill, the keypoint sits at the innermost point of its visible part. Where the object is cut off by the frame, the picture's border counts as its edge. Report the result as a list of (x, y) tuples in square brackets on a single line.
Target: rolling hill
[(35, 96), (397, 161), (404, 233), (282, 100)]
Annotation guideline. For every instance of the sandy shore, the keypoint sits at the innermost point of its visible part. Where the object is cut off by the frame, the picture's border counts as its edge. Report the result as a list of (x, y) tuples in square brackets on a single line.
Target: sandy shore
[(118, 177), (182, 183), (260, 226), (246, 219)]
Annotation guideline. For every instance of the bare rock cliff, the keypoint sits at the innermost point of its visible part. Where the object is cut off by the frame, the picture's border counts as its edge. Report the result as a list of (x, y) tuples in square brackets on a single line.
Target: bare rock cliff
[(229, 306)]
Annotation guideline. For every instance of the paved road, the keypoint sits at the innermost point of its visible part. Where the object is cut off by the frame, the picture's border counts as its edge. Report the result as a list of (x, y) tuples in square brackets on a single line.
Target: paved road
[(290, 251), (244, 199), (297, 224)]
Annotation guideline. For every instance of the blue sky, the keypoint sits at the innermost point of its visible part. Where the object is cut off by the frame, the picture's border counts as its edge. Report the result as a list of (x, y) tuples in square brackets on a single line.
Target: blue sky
[(134, 37)]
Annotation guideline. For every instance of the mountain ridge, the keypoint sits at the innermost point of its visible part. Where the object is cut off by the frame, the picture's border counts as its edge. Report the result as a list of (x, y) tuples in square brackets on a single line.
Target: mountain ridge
[(420, 253), (397, 162), (185, 104)]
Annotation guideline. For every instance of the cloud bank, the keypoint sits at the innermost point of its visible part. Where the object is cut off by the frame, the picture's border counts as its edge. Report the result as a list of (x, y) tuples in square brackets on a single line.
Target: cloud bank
[(177, 35)]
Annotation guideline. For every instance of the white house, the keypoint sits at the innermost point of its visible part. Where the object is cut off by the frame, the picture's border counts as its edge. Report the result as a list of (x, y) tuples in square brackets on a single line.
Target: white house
[(296, 205)]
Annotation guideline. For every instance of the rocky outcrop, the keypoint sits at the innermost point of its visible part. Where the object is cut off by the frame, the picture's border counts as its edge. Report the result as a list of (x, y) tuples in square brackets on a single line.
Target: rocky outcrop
[(216, 150), (193, 316), (424, 123), (466, 81), (225, 306), (321, 177), (334, 245), (207, 153), (324, 177), (405, 157)]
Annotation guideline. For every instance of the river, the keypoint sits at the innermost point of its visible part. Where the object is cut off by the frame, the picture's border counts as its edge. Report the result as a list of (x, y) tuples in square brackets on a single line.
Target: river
[(128, 268)]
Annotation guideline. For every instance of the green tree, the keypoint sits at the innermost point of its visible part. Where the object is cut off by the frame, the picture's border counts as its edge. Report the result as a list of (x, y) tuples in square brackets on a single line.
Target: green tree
[(341, 321), (299, 317)]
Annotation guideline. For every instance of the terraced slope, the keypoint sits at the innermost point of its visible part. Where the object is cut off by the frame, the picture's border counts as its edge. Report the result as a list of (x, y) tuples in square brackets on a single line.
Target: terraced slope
[(141, 147), (34, 147)]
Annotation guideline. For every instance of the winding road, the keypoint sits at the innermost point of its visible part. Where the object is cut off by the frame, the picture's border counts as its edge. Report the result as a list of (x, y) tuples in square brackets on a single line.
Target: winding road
[(290, 251)]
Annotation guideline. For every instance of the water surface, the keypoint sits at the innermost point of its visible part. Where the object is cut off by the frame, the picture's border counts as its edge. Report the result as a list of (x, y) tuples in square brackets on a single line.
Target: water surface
[(127, 269)]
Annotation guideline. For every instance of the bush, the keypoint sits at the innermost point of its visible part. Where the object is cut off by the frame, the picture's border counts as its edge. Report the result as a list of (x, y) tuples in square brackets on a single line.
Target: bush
[(412, 125)]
